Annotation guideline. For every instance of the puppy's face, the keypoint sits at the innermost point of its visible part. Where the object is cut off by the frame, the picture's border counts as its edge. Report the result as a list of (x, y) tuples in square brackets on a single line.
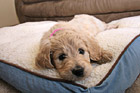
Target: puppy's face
[(70, 54), (71, 57)]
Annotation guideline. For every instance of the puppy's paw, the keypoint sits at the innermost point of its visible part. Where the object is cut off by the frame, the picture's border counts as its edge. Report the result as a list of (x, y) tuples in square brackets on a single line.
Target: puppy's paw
[(105, 57)]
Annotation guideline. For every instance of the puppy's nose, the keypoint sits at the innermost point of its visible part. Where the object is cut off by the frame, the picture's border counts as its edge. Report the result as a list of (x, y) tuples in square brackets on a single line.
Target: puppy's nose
[(78, 71)]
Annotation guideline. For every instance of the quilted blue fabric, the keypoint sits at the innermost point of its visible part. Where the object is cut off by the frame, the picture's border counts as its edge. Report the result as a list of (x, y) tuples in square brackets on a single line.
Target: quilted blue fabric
[(122, 76)]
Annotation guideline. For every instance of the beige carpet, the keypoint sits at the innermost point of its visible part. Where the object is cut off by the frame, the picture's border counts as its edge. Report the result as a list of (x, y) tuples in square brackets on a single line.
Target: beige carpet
[(6, 88)]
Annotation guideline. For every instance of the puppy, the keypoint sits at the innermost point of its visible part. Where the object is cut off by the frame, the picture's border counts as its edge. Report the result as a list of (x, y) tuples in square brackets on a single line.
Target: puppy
[(69, 47)]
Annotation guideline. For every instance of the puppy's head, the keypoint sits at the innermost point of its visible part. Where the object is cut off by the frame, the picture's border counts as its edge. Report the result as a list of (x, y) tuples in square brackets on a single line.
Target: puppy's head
[(70, 54)]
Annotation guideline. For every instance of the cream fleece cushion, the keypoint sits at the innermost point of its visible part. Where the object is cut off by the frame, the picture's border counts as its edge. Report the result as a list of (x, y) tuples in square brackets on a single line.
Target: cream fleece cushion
[(19, 45)]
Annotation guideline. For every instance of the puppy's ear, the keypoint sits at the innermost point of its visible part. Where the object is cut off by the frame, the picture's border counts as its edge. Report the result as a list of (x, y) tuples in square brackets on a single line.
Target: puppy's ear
[(96, 52), (43, 58), (93, 49)]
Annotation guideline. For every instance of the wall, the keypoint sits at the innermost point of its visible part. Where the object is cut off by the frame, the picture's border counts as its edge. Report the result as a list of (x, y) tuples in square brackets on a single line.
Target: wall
[(7, 13)]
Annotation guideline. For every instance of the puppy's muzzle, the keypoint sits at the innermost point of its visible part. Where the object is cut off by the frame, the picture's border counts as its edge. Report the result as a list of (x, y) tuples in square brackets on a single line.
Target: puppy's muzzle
[(78, 71)]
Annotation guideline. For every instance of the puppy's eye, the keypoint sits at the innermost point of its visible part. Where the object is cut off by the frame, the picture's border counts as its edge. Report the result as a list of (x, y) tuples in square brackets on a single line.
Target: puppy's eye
[(62, 57), (81, 51)]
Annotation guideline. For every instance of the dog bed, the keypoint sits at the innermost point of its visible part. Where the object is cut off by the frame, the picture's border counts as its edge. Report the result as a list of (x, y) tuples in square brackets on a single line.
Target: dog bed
[(19, 46)]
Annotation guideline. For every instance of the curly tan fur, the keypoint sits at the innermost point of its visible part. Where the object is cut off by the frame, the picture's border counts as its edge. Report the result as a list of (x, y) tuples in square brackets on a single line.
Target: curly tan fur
[(76, 34)]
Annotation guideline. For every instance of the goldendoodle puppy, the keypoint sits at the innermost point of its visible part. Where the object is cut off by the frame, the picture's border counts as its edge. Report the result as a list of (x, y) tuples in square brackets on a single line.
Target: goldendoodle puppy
[(69, 47)]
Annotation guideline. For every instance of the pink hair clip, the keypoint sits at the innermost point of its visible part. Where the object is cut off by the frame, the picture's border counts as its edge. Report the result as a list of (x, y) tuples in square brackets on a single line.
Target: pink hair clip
[(55, 31)]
